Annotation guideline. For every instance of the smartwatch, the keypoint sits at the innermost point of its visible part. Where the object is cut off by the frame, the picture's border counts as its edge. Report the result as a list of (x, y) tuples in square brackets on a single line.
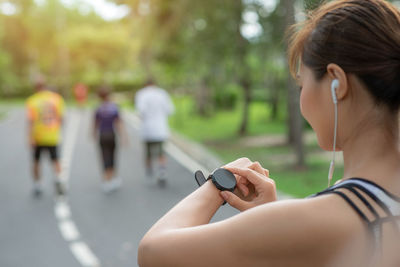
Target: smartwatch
[(222, 179)]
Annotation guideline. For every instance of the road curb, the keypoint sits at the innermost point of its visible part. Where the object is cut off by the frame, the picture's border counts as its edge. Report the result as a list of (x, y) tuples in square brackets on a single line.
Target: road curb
[(197, 151)]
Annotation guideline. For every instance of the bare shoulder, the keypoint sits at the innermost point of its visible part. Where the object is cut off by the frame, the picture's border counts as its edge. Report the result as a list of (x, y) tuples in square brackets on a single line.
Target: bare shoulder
[(315, 230)]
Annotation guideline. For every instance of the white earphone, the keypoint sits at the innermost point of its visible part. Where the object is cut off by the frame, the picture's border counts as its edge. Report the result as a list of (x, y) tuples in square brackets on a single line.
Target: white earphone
[(334, 86)]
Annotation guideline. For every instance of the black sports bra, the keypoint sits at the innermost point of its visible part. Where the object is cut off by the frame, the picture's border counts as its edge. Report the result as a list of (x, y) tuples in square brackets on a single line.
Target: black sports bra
[(378, 197)]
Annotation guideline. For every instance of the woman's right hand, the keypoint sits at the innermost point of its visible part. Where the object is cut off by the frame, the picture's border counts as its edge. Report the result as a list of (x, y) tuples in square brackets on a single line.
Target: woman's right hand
[(254, 186)]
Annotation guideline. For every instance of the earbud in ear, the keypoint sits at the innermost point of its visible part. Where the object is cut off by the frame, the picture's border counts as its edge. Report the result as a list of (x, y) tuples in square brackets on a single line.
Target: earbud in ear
[(334, 85)]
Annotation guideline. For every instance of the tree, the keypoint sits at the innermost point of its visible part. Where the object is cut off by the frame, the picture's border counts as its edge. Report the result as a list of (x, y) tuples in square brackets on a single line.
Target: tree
[(295, 120)]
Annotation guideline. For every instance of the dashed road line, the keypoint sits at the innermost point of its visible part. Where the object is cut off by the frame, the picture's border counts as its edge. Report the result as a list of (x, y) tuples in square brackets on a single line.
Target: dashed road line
[(62, 210), (83, 254), (68, 230)]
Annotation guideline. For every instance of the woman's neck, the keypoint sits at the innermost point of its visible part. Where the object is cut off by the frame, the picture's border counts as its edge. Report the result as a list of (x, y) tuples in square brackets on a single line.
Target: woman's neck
[(373, 154)]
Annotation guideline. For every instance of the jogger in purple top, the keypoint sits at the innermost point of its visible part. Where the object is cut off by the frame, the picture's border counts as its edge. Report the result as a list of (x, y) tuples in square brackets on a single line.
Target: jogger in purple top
[(106, 126)]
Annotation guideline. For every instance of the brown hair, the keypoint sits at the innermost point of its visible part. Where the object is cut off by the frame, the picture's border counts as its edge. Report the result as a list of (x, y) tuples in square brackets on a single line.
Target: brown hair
[(361, 36), (104, 92)]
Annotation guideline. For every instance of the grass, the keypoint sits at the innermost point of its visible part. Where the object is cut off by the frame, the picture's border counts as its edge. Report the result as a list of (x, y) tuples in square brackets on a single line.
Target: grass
[(2, 114), (7, 104), (12, 102), (221, 125), (302, 183), (279, 160)]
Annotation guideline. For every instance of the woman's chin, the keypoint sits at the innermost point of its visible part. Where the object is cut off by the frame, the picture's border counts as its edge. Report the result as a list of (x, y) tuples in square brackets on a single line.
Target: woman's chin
[(327, 146)]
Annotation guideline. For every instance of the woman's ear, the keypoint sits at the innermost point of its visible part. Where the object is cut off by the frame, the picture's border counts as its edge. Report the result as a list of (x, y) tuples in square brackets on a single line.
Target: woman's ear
[(336, 72)]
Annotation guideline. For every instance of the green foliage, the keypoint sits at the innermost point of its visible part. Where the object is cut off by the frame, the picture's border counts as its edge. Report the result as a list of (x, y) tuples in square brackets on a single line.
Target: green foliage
[(3, 114), (66, 46), (312, 4), (193, 45), (303, 183), (222, 125), (227, 98)]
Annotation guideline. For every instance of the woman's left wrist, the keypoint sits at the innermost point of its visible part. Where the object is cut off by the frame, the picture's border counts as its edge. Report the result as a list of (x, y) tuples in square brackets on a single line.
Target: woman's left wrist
[(213, 193)]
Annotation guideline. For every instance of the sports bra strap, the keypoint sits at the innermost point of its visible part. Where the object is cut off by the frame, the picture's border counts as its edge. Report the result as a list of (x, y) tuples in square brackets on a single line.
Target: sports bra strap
[(366, 203), (350, 202), (370, 194), (389, 203)]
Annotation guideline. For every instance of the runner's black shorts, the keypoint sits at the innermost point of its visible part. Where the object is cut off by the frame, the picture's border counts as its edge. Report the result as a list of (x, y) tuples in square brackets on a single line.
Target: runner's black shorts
[(107, 147), (37, 151), (154, 148)]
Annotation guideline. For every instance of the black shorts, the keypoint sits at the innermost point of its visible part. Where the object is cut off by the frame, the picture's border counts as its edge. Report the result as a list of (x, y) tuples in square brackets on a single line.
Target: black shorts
[(154, 148), (107, 147), (37, 151)]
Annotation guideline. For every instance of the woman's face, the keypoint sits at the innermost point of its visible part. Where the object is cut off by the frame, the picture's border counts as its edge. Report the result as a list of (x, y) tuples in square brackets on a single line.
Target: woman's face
[(316, 106)]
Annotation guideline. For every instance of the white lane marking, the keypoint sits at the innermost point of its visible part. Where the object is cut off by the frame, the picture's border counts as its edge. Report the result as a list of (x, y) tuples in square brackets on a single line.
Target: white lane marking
[(71, 134), (184, 159), (62, 210), (84, 255), (68, 230)]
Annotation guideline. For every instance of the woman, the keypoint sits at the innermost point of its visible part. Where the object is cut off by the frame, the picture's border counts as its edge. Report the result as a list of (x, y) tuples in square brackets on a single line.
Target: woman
[(350, 48), (106, 124)]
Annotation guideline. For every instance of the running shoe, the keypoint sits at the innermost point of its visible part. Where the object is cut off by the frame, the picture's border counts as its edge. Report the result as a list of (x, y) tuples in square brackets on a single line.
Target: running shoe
[(116, 183), (149, 172), (106, 186), (37, 191), (162, 176), (60, 188), (162, 181)]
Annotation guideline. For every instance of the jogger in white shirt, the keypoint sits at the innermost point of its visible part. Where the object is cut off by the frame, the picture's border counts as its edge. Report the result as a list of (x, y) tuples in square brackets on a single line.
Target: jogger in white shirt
[(154, 106)]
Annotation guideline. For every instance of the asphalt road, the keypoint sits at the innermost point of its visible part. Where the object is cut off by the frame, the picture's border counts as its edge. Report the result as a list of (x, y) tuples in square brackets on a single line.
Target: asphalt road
[(89, 228)]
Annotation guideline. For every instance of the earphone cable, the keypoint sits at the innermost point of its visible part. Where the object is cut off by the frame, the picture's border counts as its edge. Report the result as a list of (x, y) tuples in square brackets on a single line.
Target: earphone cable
[(332, 165)]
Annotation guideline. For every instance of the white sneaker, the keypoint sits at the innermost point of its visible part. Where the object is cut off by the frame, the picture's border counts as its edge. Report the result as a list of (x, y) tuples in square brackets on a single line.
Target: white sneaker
[(106, 186), (116, 183), (162, 177)]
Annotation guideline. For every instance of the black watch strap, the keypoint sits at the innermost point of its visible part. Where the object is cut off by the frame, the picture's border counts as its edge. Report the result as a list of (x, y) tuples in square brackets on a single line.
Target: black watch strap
[(221, 178), (200, 178)]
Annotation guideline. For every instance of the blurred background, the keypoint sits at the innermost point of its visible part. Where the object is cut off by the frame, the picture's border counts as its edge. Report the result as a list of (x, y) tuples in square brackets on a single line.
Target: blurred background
[(222, 61)]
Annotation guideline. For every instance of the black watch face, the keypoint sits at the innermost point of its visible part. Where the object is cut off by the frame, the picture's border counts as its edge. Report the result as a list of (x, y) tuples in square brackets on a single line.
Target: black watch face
[(225, 179)]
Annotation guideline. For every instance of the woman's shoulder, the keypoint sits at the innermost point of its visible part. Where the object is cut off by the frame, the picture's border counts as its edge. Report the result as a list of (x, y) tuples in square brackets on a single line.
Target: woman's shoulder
[(317, 213), (327, 209), (311, 230)]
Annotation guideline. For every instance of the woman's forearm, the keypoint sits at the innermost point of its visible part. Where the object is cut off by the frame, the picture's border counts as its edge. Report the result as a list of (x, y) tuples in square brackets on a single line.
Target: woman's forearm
[(196, 209)]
